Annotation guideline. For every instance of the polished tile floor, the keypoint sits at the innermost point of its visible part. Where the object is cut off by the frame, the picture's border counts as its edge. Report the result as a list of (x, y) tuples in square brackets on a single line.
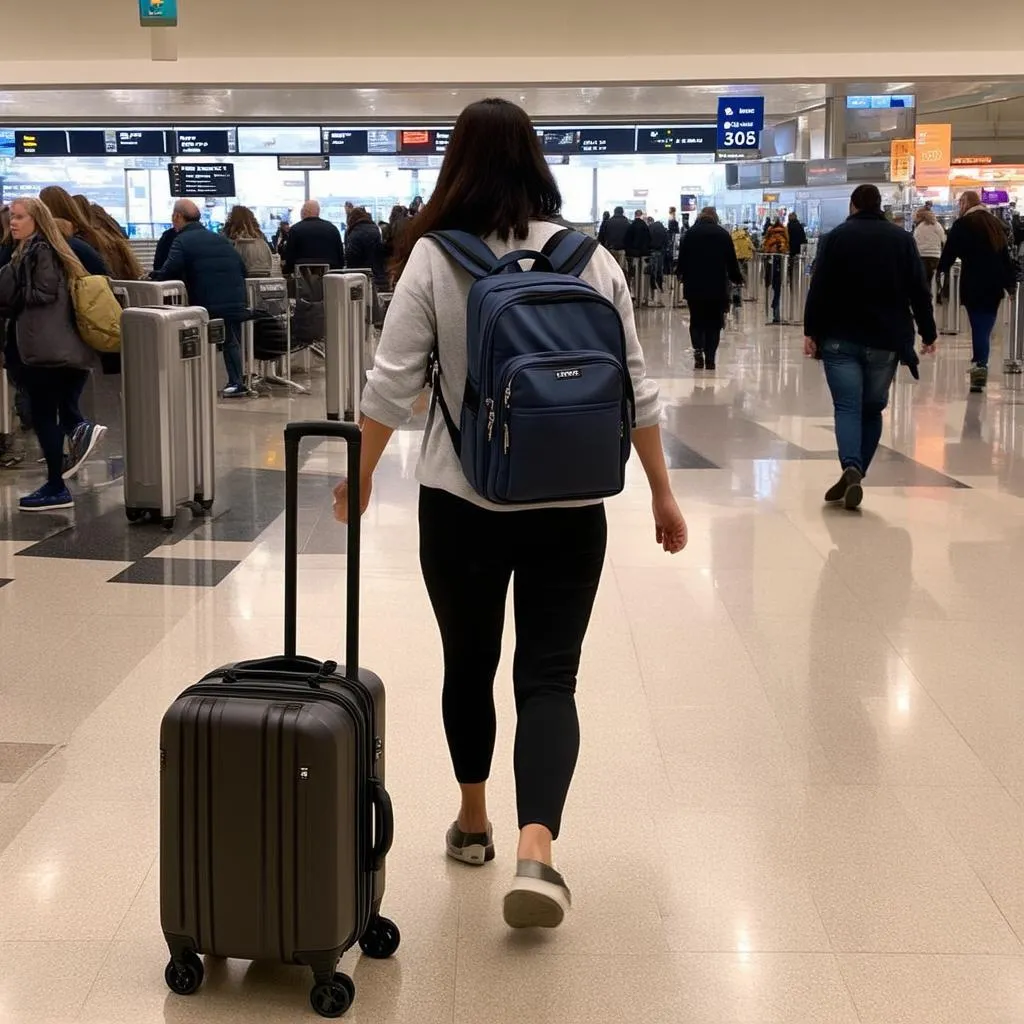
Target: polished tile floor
[(800, 798)]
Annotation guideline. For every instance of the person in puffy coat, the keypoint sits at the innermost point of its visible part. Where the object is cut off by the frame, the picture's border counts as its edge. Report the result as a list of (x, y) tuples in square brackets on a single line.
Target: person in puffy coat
[(214, 277), (364, 247), (930, 237), (44, 353), (775, 244)]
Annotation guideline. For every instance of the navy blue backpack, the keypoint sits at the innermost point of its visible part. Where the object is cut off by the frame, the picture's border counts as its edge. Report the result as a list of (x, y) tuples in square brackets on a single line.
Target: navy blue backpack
[(548, 407)]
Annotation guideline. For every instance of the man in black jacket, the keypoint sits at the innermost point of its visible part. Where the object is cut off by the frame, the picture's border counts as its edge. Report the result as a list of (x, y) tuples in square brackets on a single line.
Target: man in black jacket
[(214, 277), (615, 231), (707, 263), (313, 240), (867, 292)]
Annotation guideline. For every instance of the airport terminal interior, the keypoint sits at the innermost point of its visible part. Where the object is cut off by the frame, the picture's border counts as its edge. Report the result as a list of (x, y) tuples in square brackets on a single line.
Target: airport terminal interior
[(800, 793)]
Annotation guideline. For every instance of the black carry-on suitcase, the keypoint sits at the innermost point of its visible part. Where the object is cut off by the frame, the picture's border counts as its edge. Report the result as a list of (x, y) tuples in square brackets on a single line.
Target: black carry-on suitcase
[(274, 819)]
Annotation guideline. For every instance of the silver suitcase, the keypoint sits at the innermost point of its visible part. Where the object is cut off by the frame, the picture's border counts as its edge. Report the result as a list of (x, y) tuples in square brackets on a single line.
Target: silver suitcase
[(168, 402)]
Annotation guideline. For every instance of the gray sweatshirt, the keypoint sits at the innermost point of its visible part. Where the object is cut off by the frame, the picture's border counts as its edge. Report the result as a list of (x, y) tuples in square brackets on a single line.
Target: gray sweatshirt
[(431, 297)]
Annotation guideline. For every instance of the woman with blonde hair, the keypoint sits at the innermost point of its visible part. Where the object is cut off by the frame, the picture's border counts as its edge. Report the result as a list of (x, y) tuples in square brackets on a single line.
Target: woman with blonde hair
[(44, 353), (929, 237), (243, 231), (118, 254)]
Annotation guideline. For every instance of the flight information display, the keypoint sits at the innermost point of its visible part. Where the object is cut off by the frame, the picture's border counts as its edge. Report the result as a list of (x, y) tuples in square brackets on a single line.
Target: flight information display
[(280, 139), (559, 141), (138, 142), (676, 138), (607, 140), (202, 180), (382, 141), (205, 142), (44, 143), (343, 141), (423, 141)]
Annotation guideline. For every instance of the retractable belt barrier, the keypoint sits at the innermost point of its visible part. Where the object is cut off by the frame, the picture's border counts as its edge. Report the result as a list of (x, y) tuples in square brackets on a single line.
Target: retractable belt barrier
[(776, 278), (168, 396), (951, 302), (346, 304), (1013, 361), (799, 285)]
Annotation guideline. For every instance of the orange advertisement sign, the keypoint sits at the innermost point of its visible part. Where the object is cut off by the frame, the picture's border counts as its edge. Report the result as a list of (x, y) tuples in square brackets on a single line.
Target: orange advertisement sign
[(901, 160), (933, 153)]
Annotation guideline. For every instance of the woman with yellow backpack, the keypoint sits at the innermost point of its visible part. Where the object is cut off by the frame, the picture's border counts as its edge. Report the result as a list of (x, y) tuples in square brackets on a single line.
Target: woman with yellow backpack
[(44, 352)]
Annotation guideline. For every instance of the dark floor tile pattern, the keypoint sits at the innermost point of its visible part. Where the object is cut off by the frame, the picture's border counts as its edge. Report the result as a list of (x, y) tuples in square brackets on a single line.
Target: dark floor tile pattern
[(177, 572), (17, 759)]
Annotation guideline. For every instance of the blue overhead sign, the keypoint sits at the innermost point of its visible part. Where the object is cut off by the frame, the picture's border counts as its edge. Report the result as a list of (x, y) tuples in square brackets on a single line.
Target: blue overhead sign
[(156, 13), (888, 101), (740, 121)]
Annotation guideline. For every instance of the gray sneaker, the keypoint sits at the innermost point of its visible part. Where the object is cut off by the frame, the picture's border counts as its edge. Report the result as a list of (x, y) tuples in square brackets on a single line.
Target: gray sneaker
[(474, 848), (539, 897)]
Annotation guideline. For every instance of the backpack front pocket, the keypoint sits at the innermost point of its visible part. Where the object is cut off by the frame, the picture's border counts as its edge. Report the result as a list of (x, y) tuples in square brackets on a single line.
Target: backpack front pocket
[(563, 431)]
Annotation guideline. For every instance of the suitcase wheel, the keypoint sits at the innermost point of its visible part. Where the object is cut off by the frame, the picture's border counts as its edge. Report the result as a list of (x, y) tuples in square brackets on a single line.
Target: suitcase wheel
[(381, 939), (333, 998), (184, 976), (134, 515)]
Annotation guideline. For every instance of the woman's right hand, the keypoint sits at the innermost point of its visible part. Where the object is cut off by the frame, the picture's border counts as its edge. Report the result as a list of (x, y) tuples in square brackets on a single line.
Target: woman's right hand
[(341, 498), (669, 525)]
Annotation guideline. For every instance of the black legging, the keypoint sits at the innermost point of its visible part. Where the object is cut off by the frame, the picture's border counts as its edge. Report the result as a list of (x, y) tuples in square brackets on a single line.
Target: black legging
[(706, 326), (53, 397), (468, 555)]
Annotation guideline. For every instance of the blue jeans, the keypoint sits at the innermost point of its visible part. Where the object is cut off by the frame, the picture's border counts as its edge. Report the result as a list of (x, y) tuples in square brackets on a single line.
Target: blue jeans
[(233, 352), (982, 325), (859, 379)]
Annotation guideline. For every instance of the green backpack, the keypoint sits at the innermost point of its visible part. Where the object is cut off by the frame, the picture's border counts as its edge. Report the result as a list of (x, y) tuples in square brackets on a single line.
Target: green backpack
[(97, 313)]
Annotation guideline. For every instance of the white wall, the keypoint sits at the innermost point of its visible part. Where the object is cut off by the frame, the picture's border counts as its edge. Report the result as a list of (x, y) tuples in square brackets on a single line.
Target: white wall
[(529, 41)]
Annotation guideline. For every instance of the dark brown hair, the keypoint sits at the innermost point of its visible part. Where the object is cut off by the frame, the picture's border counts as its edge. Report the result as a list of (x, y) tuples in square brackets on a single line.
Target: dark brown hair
[(494, 179), (119, 256), (62, 205)]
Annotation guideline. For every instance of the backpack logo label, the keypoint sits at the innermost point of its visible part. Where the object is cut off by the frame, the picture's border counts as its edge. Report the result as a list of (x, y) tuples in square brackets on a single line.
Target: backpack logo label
[(568, 374)]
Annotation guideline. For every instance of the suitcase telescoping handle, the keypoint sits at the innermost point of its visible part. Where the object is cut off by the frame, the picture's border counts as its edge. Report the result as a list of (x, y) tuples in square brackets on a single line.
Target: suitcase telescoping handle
[(293, 435)]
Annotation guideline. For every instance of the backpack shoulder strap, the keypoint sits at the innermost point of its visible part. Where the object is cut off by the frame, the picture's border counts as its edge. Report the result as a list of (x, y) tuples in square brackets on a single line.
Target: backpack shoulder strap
[(570, 251), (470, 252)]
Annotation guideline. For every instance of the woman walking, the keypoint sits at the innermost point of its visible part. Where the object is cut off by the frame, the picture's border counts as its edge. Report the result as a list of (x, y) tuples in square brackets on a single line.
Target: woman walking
[(44, 353), (930, 237), (987, 274), (495, 184)]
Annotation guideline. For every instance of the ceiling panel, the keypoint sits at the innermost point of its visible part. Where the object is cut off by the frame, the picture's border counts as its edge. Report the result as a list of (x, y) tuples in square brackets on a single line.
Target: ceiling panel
[(324, 104)]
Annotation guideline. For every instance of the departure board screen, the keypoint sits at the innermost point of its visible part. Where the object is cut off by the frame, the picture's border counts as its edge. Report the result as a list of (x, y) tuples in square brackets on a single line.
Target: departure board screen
[(92, 142), (194, 180), (559, 141), (423, 141), (608, 140), (676, 139), (7, 142), (382, 141), (278, 139), (44, 143), (205, 142), (139, 142), (343, 142)]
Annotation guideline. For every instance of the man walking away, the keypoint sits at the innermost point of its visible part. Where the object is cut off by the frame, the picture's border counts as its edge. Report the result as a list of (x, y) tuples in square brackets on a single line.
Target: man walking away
[(313, 240), (707, 263), (659, 242), (615, 235), (214, 276), (867, 291), (638, 248)]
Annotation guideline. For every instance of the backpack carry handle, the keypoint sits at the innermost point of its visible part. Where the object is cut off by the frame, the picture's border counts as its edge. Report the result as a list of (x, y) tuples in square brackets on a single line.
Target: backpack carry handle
[(353, 438), (540, 261)]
